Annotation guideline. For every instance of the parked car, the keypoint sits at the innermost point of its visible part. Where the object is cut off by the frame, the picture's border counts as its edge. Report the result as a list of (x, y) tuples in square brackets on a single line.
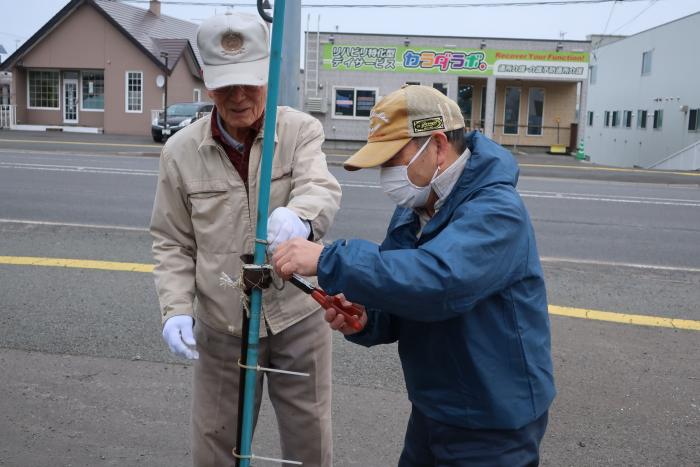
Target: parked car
[(179, 116)]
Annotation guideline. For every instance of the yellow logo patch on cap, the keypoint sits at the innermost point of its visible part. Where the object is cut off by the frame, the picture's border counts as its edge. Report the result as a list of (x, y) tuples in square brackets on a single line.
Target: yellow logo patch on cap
[(428, 124)]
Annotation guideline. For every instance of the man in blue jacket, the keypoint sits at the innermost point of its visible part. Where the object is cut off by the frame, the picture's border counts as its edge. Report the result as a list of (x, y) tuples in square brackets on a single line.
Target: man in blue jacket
[(457, 282)]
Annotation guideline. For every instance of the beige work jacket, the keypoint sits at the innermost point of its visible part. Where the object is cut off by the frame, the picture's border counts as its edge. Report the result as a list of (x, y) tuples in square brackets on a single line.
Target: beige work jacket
[(203, 220)]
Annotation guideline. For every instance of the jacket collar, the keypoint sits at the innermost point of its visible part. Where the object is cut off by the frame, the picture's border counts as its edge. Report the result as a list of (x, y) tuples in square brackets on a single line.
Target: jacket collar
[(489, 164), (208, 140)]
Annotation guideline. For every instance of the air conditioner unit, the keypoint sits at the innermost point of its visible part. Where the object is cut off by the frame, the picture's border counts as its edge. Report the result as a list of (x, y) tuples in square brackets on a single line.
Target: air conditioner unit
[(316, 105)]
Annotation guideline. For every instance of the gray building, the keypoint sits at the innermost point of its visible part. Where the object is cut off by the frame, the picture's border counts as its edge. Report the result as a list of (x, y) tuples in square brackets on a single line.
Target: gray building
[(644, 99), (520, 92)]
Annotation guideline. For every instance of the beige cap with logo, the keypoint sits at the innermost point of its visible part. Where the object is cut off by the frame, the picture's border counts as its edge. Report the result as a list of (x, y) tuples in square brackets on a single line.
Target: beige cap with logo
[(410, 112), (235, 50)]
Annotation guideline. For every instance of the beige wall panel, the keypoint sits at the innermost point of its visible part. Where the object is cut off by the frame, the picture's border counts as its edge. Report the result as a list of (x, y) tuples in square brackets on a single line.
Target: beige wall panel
[(19, 96), (77, 42), (181, 84)]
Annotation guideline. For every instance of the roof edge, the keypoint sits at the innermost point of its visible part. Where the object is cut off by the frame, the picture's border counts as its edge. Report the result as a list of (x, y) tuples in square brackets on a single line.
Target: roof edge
[(55, 20)]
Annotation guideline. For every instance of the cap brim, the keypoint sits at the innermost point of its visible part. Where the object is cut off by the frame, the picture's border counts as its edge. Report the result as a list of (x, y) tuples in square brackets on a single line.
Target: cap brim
[(375, 153), (236, 74)]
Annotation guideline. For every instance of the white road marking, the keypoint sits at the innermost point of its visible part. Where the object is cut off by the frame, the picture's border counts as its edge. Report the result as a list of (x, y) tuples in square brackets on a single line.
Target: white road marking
[(70, 224), (524, 193), (79, 169), (592, 262), (611, 199)]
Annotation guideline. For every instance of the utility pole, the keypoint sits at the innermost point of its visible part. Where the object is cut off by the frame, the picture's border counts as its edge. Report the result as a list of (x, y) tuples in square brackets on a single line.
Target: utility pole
[(164, 55), (289, 86)]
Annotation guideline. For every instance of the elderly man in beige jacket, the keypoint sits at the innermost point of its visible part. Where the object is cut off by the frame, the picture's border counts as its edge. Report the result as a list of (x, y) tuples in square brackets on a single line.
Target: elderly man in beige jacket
[(204, 220)]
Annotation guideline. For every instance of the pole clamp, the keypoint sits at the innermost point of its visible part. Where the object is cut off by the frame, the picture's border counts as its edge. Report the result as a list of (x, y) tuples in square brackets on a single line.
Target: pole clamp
[(256, 276)]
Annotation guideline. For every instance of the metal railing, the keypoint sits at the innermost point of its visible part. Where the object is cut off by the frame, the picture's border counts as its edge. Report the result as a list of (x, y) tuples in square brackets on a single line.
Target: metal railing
[(8, 116), (687, 158)]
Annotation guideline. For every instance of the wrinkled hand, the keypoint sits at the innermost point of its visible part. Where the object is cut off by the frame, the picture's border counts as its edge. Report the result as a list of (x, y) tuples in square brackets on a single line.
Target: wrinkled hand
[(296, 256), (337, 320), (177, 333), (282, 225)]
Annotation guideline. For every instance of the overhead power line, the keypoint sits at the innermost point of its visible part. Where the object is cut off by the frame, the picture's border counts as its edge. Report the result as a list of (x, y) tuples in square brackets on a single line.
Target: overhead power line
[(651, 4), (402, 6)]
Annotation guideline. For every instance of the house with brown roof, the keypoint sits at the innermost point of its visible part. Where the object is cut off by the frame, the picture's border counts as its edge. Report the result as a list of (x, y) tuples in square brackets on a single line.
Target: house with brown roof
[(100, 65)]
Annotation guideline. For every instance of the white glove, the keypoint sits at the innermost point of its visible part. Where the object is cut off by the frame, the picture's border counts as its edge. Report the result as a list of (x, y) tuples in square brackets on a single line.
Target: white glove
[(177, 333), (283, 225)]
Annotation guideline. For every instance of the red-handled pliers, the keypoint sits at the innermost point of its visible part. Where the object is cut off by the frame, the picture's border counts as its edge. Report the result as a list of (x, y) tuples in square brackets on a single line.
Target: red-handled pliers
[(351, 312)]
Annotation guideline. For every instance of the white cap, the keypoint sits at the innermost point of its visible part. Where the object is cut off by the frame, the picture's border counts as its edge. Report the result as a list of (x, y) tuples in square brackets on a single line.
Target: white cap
[(234, 49)]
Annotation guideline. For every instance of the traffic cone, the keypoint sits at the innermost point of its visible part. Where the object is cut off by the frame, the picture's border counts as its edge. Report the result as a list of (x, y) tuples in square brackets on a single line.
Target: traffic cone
[(580, 155)]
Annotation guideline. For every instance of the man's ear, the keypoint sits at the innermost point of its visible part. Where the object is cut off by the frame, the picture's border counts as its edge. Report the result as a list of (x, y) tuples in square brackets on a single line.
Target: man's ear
[(443, 147), (210, 93)]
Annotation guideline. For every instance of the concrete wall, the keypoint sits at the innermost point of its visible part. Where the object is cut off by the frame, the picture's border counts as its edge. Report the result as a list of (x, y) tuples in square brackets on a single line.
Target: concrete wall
[(109, 50), (672, 83), (560, 97)]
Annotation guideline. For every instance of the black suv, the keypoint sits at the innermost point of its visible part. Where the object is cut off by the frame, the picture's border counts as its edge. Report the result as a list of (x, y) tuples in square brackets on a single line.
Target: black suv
[(179, 116)]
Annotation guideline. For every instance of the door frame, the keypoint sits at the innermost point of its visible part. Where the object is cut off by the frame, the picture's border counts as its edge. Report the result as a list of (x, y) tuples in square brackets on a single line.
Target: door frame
[(66, 82)]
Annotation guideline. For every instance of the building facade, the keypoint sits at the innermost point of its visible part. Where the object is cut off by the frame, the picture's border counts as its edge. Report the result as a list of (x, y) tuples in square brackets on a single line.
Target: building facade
[(644, 99), (519, 92), (101, 65)]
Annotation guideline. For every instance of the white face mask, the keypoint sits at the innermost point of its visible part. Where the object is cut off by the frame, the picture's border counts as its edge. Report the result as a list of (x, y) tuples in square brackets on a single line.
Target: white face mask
[(398, 186)]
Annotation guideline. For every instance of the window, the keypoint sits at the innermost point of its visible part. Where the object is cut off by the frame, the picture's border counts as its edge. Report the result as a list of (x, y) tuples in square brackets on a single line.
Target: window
[(646, 63), (535, 111), (641, 119), (627, 118), (134, 91), (366, 99), (465, 95), (616, 118), (196, 95), (658, 119), (43, 89), (442, 87), (93, 95), (590, 118), (693, 120), (353, 102), (511, 115), (593, 76), (607, 118)]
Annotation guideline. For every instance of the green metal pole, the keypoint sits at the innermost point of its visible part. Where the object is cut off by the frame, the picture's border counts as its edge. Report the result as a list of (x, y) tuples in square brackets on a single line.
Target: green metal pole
[(268, 150)]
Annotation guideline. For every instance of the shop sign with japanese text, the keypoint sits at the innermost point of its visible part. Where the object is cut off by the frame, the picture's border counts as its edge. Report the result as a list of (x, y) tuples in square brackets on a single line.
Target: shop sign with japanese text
[(463, 62)]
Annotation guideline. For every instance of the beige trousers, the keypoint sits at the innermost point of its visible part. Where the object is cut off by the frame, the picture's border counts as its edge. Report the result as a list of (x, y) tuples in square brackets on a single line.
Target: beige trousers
[(302, 404)]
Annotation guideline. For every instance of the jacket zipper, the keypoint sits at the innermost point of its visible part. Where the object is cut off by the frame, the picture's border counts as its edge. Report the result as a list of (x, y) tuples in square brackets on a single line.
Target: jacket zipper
[(228, 162)]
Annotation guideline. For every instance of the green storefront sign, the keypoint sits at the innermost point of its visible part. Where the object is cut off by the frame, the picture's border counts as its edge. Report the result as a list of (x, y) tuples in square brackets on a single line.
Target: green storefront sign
[(462, 62)]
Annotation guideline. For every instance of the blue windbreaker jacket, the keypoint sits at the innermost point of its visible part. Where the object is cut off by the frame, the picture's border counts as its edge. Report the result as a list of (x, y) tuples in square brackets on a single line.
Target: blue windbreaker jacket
[(466, 301)]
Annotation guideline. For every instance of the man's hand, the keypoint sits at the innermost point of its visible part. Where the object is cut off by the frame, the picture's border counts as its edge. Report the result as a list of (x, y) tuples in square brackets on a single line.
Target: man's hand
[(177, 333), (337, 320), (296, 256), (283, 225)]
